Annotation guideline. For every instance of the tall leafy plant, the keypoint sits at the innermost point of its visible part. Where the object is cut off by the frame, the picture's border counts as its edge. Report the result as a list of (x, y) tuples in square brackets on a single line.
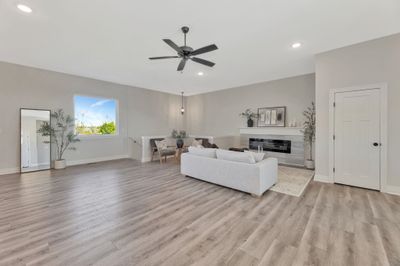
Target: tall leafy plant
[(309, 128), (61, 132)]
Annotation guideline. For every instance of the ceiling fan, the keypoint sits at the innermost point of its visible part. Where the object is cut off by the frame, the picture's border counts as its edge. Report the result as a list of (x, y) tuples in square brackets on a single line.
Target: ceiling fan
[(188, 53)]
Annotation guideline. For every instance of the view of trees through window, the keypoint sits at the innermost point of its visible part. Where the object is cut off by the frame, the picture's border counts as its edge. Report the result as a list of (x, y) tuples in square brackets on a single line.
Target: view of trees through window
[(95, 116)]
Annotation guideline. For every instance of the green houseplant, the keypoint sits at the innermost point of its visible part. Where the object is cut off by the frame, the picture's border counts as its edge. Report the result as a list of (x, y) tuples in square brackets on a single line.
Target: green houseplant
[(179, 136), (250, 115), (61, 132), (309, 133)]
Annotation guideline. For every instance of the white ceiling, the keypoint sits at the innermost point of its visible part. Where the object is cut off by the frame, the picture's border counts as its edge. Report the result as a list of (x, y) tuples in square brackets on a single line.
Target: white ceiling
[(112, 40)]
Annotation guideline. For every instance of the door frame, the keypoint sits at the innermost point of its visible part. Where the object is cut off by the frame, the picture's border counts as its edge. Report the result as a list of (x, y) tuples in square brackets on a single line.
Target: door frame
[(383, 88)]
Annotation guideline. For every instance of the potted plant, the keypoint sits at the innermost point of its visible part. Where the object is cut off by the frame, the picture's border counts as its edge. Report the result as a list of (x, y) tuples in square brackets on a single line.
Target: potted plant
[(309, 133), (179, 136), (61, 132), (250, 115)]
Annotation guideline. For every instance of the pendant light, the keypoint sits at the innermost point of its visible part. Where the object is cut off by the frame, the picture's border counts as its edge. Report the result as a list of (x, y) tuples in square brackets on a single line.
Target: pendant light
[(182, 107)]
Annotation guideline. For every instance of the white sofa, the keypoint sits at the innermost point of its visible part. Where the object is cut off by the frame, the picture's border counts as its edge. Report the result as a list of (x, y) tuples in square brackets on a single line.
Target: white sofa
[(253, 178)]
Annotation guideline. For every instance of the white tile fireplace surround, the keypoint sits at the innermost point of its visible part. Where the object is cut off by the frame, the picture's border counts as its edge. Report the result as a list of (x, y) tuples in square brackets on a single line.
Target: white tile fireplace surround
[(294, 134)]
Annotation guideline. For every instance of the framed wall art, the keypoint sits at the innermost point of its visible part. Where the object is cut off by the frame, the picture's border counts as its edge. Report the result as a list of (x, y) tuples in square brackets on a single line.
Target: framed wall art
[(271, 116)]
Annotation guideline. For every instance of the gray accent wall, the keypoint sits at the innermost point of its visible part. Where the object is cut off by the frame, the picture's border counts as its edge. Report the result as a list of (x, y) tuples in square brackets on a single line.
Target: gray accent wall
[(141, 112), (376, 61), (217, 113)]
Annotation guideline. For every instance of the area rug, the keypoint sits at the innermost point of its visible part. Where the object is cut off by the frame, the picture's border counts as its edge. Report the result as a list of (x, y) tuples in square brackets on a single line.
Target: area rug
[(292, 181)]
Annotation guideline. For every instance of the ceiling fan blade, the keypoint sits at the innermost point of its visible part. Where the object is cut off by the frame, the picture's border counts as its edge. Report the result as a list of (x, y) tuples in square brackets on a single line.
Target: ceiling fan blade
[(203, 62), (181, 65), (173, 45), (205, 49), (163, 57)]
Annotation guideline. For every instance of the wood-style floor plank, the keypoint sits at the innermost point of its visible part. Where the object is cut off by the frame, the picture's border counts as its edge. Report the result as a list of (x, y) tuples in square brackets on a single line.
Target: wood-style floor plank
[(127, 213)]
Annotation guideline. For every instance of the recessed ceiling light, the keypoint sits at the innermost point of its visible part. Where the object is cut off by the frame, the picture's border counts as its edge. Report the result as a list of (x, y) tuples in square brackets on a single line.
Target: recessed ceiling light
[(200, 73), (24, 8), (296, 45)]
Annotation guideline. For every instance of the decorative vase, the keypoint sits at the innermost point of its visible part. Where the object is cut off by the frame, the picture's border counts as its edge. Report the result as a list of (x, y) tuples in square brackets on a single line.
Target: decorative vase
[(179, 143), (250, 122), (309, 164), (60, 164)]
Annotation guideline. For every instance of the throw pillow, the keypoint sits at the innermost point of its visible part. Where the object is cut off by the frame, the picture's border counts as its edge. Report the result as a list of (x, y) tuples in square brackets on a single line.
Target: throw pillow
[(197, 143), (161, 144), (204, 152), (258, 156), (242, 157)]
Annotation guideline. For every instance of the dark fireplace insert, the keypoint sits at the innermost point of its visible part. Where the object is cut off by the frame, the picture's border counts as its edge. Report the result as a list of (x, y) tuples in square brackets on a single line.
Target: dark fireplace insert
[(275, 145)]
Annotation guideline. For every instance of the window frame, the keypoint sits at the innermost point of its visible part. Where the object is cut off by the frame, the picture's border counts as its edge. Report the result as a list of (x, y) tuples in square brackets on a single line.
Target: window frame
[(98, 136)]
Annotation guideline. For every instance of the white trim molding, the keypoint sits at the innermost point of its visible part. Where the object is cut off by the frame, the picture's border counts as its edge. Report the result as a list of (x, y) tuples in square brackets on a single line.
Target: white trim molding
[(7, 171), (322, 178), (383, 88), (97, 160), (395, 190), (287, 131), (16, 170)]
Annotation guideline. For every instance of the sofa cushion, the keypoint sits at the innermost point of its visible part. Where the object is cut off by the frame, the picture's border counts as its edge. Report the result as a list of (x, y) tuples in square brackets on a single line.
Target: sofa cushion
[(243, 157), (258, 156), (205, 152)]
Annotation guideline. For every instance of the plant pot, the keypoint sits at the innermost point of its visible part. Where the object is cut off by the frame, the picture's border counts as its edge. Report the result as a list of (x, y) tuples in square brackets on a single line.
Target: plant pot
[(250, 122), (179, 143), (309, 164), (60, 164)]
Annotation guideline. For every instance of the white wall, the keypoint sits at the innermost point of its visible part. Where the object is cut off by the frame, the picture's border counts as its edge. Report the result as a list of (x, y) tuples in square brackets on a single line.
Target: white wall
[(141, 111), (370, 62), (217, 113)]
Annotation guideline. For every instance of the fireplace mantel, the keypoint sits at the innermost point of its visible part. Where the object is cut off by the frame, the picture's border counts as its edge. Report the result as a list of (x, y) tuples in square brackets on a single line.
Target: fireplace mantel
[(286, 131)]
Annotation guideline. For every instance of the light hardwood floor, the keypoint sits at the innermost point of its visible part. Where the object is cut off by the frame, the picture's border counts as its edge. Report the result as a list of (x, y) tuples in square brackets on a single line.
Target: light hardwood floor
[(127, 213)]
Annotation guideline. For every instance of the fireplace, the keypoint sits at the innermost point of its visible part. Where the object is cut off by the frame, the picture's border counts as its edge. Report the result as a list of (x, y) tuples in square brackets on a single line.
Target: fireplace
[(274, 145)]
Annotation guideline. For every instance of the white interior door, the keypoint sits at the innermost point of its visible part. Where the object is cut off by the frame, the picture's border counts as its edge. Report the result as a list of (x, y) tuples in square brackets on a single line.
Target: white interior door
[(357, 138)]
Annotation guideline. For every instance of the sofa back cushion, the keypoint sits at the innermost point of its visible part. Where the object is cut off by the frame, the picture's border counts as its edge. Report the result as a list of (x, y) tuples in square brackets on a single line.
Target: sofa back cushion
[(242, 157), (210, 153)]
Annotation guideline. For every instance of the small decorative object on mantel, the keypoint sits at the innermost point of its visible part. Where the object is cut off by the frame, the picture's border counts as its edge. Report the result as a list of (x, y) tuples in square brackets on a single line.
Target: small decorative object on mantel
[(293, 123), (309, 133), (250, 115), (61, 132), (179, 136), (272, 116)]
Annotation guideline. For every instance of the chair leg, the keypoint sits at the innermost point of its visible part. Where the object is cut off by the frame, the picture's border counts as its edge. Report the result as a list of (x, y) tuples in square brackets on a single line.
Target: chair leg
[(160, 158)]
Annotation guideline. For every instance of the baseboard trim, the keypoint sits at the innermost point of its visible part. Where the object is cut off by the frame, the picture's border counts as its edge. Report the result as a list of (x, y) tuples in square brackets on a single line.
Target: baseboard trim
[(394, 190), (97, 160), (322, 178), (148, 159), (15, 170), (8, 171)]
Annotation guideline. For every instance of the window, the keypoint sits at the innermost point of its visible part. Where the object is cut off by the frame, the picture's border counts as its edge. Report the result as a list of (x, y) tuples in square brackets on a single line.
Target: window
[(95, 116)]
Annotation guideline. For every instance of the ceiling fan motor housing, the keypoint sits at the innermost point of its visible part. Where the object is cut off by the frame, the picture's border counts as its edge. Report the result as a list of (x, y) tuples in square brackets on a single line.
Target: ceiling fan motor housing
[(186, 51)]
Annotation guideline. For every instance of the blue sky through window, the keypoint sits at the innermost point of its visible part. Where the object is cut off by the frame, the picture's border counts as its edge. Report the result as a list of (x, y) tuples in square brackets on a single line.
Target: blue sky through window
[(94, 112)]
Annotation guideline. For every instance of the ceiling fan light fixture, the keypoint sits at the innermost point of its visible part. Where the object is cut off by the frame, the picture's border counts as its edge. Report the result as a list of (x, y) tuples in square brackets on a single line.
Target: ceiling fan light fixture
[(24, 8)]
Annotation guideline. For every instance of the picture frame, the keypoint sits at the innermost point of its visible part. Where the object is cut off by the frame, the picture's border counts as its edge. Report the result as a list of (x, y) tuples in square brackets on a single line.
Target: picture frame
[(271, 116)]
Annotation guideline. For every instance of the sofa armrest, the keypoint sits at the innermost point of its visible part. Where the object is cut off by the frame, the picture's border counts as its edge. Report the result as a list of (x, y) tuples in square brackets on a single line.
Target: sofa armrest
[(268, 173)]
